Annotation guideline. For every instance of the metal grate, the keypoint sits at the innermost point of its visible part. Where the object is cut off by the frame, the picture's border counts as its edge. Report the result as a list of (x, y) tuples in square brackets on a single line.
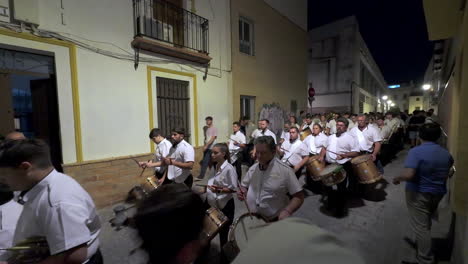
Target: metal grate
[(172, 24), (173, 105)]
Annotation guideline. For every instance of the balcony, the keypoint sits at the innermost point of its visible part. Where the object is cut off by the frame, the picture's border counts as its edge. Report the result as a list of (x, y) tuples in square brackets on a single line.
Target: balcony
[(165, 28)]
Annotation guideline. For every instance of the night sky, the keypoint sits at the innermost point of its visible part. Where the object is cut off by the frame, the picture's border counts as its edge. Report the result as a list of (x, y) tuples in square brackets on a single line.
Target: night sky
[(394, 31)]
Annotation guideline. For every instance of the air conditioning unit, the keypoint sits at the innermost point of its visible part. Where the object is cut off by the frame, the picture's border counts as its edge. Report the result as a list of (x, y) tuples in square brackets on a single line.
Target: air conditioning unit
[(26, 11), (4, 11)]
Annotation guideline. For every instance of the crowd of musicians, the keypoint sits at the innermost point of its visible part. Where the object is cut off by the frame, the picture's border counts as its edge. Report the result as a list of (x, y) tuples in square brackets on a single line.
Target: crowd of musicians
[(54, 207)]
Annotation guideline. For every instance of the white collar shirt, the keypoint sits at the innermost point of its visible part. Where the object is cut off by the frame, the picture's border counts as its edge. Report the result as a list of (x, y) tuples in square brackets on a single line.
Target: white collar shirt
[(225, 177), (182, 152), (343, 144), (293, 152), (314, 144), (268, 189), (238, 137), (9, 215), (258, 133), (60, 210), (162, 150), (332, 126), (366, 137), (285, 135)]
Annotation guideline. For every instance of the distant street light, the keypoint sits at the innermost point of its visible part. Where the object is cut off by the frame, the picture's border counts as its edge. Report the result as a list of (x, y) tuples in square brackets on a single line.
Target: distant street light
[(389, 102), (385, 97), (393, 104), (426, 87)]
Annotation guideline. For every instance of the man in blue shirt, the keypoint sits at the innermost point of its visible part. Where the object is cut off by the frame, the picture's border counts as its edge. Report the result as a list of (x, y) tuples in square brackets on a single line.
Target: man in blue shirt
[(426, 171)]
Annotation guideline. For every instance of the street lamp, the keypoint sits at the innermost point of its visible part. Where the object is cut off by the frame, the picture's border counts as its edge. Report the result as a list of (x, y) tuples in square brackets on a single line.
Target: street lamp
[(384, 97), (392, 104), (389, 102), (426, 87)]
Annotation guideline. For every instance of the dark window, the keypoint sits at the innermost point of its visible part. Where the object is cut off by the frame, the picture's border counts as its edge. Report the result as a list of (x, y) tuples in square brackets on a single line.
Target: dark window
[(246, 36)]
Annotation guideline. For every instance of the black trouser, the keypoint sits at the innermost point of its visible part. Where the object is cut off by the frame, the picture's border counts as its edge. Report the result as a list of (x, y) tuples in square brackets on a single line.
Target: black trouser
[(96, 258), (228, 211), (238, 166)]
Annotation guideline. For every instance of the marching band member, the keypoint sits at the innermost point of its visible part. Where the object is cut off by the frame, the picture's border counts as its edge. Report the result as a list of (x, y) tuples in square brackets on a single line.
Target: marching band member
[(180, 160), (269, 183), (55, 206), (316, 141), (331, 125), (162, 150), (262, 131), (221, 186), (307, 122), (369, 139), (341, 148), (293, 122), (237, 142), (285, 133), (292, 153)]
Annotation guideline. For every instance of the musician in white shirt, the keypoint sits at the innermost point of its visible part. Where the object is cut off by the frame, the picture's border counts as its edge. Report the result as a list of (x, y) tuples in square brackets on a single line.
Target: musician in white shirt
[(369, 139), (262, 131), (293, 153), (180, 160), (162, 150), (221, 186), (307, 122), (270, 186), (341, 148), (237, 143), (316, 141)]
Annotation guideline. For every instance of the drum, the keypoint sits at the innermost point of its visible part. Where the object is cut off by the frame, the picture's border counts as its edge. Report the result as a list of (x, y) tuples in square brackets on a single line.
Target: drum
[(333, 174), (305, 133), (364, 167), (242, 230), (138, 193), (314, 167), (214, 220)]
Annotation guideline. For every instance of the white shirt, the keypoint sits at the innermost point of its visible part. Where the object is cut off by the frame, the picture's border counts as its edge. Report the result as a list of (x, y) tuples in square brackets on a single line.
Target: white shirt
[(268, 190), (162, 150), (182, 152), (385, 132), (225, 177), (392, 123), (285, 135), (238, 137), (332, 126), (315, 144), (9, 215), (234, 150), (60, 210), (293, 152), (343, 144), (258, 133), (351, 124), (366, 137)]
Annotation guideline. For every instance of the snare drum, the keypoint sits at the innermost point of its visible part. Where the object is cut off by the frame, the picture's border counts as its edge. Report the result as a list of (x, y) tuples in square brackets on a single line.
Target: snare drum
[(213, 222), (314, 168), (138, 193), (333, 174), (364, 167), (242, 230)]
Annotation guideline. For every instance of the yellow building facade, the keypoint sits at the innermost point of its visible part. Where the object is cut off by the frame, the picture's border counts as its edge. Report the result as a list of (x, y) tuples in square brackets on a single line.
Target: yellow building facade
[(269, 59), (448, 21)]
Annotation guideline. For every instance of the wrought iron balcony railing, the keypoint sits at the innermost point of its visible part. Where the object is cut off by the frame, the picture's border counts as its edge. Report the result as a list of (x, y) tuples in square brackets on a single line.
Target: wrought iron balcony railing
[(169, 23)]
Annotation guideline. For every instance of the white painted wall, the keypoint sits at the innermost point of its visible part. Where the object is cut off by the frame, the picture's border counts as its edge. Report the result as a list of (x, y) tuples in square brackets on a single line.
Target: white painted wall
[(113, 96), (294, 10)]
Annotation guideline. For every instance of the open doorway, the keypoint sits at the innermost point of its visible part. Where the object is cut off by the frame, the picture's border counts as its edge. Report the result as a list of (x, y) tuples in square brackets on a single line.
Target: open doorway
[(29, 98)]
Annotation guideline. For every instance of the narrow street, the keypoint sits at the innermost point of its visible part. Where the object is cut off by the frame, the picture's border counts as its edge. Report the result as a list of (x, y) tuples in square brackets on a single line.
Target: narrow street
[(374, 229)]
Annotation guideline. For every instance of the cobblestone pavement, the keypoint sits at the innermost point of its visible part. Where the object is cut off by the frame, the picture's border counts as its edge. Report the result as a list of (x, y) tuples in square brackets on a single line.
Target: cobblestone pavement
[(374, 227)]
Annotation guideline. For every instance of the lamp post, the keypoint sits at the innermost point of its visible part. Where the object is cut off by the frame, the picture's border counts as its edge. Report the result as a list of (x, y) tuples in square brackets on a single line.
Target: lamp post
[(426, 87)]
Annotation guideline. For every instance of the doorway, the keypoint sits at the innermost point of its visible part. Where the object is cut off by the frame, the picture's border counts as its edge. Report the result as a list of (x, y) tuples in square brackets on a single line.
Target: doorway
[(29, 98)]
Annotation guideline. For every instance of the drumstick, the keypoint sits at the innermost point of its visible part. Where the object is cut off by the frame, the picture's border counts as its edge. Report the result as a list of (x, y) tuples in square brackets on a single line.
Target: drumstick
[(143, 170), (245, 199)]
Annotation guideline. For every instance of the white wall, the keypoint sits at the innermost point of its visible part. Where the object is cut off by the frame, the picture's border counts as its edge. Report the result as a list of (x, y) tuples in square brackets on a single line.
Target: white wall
[(113, 96)]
